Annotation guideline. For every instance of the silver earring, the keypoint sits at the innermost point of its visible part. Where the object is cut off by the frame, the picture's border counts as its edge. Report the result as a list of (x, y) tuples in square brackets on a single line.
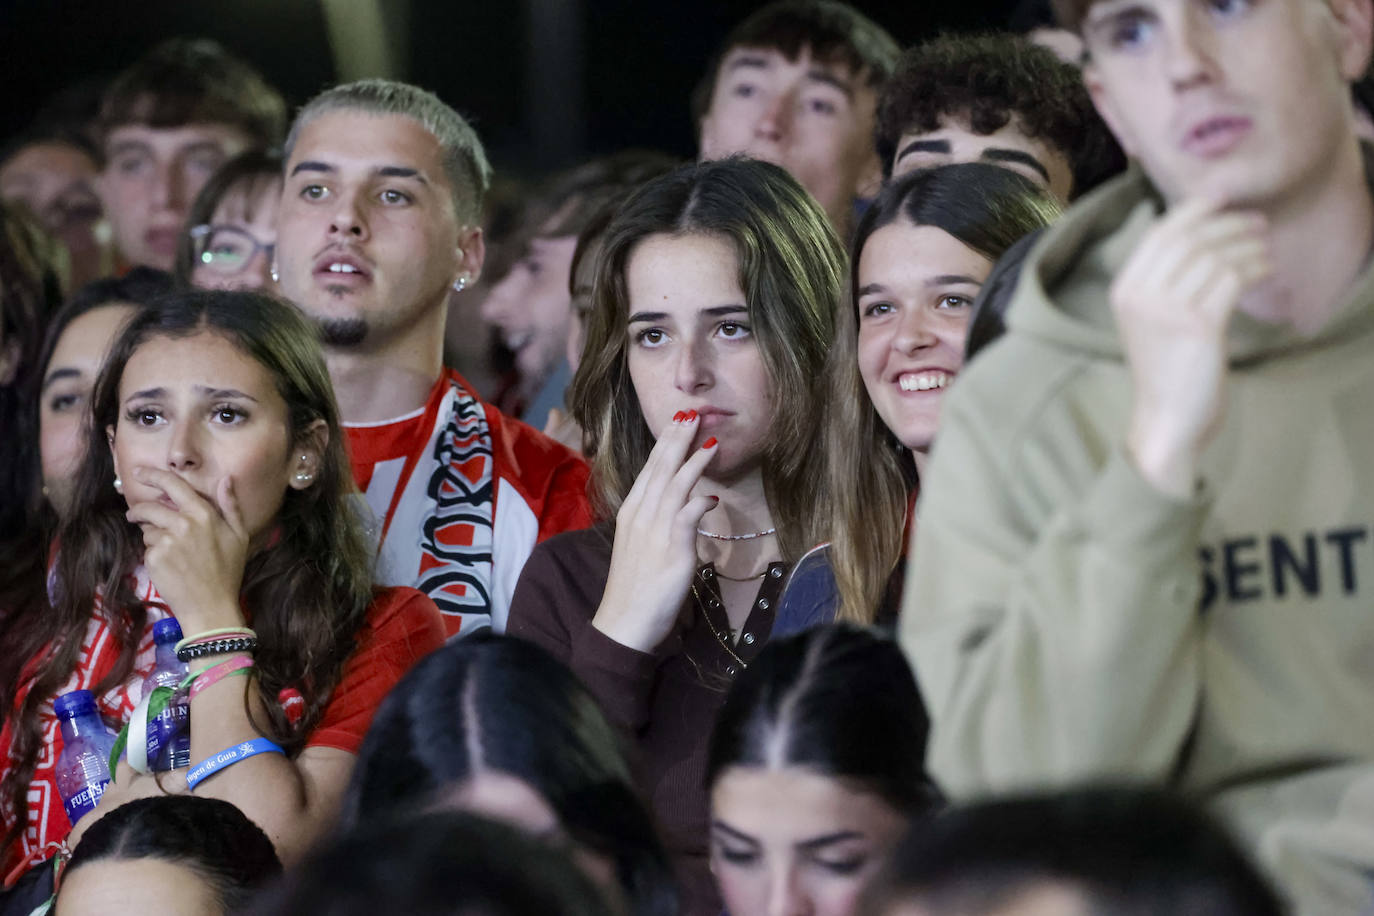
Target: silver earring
[(304, 477), (119, 485), (276, 277), (461, 283)]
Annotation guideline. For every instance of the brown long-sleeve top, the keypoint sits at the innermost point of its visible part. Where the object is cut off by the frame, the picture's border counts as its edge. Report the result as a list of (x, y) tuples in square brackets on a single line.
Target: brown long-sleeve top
[(665, 701)]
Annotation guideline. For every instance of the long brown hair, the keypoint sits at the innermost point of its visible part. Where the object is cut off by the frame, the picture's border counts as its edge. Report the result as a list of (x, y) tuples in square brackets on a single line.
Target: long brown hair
[(308, 594), (791, 270), (871, 475)]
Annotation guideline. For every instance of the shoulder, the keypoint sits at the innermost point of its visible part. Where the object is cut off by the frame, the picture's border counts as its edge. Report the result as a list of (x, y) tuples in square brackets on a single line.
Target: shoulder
[(564, 578), (581, 554), (403, 613)]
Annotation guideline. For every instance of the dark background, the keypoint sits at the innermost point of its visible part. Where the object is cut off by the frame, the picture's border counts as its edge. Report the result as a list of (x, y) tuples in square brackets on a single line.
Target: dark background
[(609, 73)]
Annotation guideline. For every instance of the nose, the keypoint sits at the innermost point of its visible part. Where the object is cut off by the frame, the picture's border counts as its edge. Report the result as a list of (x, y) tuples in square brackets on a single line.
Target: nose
[(692, 372), (183, 448), (167, 190), (786, 897), (497, 304), (915, 331), (1190, 55), (775, 120), (348, 219)]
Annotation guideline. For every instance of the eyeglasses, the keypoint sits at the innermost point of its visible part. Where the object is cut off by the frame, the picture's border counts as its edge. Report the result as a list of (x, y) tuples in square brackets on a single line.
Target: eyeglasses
[(226, 250)]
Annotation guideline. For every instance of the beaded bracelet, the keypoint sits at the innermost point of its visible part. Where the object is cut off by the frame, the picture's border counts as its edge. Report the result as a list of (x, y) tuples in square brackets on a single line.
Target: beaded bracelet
[(217, 647), (213, 636), (227, 758)]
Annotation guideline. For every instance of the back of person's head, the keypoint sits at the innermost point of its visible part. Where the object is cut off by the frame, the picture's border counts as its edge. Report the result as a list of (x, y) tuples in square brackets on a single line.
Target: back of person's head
[(194, 81), (255, 175), (790, 269), (504, 706), (987, 82), (436, 864), (990, 308), (222, 849), (465, 161), (833, 32), (838, 701), (1116, 851)]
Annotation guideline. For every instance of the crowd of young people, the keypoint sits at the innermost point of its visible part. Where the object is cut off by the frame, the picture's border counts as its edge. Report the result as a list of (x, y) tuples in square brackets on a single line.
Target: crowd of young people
[(757, 623)]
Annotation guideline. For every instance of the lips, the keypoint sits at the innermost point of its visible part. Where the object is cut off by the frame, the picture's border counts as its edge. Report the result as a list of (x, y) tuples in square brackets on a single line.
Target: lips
[(923, 380), (1216, 136), (342, 267)]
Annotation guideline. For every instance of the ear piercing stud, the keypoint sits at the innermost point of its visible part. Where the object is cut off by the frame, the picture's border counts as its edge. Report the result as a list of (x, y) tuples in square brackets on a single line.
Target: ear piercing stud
[(461, 283)]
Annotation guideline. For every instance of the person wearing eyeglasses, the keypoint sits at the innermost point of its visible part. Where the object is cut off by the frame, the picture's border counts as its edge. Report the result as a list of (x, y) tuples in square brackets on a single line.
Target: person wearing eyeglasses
[(231, 228)]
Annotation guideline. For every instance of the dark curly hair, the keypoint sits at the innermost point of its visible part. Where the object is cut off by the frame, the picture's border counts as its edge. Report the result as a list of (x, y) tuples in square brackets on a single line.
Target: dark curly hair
[(987, 80), (208, 836)]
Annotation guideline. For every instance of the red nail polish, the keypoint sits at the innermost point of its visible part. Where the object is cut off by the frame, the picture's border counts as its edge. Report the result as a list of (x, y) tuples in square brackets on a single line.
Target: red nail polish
[(709, 443), (716, 498), (691, 415), (679, 416)]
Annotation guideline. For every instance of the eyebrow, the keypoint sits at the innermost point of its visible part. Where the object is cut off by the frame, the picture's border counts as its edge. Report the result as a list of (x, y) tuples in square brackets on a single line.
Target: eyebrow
[(736, 834), (715, 312), (815, 74), (938, 280), (998, 154), (924, 146), (129, 146), (826, 840), (204, 390), (58, 375), (386, 171)]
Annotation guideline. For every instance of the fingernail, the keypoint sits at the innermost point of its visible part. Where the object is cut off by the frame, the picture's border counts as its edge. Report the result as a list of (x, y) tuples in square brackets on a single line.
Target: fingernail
[(691, 415), (679, 416), (709, 443), (715, 498)]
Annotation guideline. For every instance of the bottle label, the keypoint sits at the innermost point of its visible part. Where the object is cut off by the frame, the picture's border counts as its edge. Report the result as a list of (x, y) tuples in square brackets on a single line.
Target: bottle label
[(84, 800), (169, 737)]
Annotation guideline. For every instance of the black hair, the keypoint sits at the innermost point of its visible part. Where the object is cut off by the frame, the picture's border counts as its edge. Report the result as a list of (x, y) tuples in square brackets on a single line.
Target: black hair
[(990, 308), (834, 32), (193, 81), (1128, 851), (441, 863), (838, 700), (501, 704), (245, 172), (211, 837), (987, 80)]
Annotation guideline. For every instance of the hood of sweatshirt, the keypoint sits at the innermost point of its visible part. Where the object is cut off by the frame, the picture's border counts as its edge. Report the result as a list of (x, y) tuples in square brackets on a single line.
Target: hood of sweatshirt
[(1063, 294)]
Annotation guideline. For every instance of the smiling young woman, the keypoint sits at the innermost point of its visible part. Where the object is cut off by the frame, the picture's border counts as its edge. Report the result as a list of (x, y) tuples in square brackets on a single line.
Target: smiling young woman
[(712, 312), (215, 489)]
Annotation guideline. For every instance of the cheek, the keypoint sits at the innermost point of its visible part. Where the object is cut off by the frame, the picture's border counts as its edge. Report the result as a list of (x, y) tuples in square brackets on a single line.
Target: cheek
[(649, 393), (744, 890), (60, 446), (872, 350)]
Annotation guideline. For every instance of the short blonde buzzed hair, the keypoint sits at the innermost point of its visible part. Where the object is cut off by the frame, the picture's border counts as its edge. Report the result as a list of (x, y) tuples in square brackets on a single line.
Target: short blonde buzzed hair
[(465, 161)]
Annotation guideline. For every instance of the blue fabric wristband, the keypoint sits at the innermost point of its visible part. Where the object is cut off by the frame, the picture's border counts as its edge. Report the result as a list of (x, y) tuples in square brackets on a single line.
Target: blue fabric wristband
[(228, 757)]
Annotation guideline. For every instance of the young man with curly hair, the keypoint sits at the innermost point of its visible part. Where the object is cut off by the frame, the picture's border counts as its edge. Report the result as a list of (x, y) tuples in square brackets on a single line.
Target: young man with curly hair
[(1144, 549), (997, 98), (796, 84)]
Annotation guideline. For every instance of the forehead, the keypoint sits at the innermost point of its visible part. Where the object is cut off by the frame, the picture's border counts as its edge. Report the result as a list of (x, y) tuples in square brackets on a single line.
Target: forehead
[(774, 62), (88, 335), (171, 139), (251, 197), (351, 138), (792, 804), (901, 250), (203, 359), (682, 271), (56, 159)]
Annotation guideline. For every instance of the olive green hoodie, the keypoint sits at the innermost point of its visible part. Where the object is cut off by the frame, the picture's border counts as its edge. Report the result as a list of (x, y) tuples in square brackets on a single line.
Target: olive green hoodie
[(1068, 622)]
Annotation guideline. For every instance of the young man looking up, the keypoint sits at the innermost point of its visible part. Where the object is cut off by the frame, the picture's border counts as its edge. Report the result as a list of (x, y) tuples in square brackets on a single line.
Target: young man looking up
[(997, 98), (795, 84), (1144, 551), (165, 125), (379, 218)]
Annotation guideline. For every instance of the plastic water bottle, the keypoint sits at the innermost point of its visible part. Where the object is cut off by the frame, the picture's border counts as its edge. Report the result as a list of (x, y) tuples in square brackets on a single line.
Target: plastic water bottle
[(83, 770), (169, 733)]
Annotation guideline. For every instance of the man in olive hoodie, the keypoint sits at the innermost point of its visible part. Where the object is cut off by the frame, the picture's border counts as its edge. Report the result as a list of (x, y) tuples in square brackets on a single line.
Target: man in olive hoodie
[(1144, 547)]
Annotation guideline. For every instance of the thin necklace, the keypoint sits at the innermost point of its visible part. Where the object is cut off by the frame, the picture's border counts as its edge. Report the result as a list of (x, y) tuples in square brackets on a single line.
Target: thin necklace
[(724, 644), (737, 537)]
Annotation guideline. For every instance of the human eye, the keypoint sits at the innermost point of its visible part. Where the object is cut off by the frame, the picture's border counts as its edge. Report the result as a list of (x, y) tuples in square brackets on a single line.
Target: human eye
[(132, 164), (144, 415), (314, 192), (733, 330), (876, 309), (395, 198), (650, 338), (203, 163), (64, 401), (952, 301), (1225, 9), (737, 856), (744, 90), (846, 865), (228, 414), (1129, 30)]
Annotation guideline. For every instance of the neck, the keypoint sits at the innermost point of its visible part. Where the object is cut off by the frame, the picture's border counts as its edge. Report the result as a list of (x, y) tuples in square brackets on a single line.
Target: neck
[(376, 382), (743, 509), (1320, 242)]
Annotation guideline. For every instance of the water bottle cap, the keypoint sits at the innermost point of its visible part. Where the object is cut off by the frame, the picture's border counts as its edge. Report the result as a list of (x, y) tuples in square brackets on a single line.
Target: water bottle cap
[(74, 704), (166, 630)]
